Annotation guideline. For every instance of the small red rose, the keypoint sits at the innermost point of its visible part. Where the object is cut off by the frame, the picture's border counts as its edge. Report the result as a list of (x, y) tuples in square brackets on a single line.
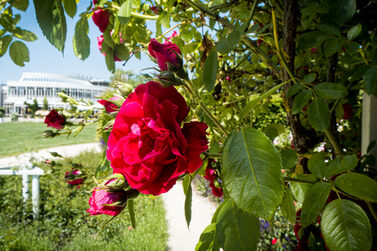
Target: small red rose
[(109, 106), (165, 54), (101, 19), (74, 177), (274, 240), (55, 120)]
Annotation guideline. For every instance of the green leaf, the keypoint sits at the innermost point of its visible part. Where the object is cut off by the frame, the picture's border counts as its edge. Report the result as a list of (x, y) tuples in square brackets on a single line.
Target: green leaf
[(124, 12), (188, 200), (109, 58), (310, 77), (207, 240), (20, 4), (345, 227), (351, 47), (51, 19), (341, 164), (370, 81), (252, 172), (341, 11), (330, 28), (317, 165), (19, 53), (288, 209), (122, 52), (332, 46), (210, 71), (311, 39), (294, 89), (70, 7), (273, 130), (81, 41), (330, 90), (25, 35), (300, 189), (4, 43), (358, 185), (288, 158), (235, 229), (301, 100), (131, 211), (354, 32), (315, 199), (227, 44), (318, 114), (165, 21)]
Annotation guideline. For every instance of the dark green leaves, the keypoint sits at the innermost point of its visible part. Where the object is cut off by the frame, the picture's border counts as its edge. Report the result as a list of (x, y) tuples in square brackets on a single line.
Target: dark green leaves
[(333, 45), (25, 35), (230, 42), (210, 71), (311, 39), (251, 172), (19, 53), (341, 10), (301, 100), (4, 43), (314, 201), (131, 211), (288, 209), (70, 7), (188, 200), (330, 90), (122, 52), (109, 59), (370, 81), (81, 41), (207, 240), (294, 89), (317, 164), (318, 114), (358, 185), (235, 229), (51, 19), (346, 227), (354, 32), (341, 164), (288, 158), (124, 12), (20, 4)]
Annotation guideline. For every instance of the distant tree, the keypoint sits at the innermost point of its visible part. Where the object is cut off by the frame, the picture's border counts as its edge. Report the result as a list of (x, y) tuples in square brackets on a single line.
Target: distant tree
[(128, 77), (32, 108), (45, 104)]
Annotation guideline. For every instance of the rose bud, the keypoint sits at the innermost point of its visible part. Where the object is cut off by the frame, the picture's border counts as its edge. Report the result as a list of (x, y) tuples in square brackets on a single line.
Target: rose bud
[(106, 202), (211, 176), (109, 106), (55, 120), (156, 9), (101, 19), (115, 182), (165, 53), (74, 177)]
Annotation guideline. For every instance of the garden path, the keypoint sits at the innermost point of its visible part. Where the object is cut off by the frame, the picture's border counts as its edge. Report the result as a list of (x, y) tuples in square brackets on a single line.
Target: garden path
[(180, 237)]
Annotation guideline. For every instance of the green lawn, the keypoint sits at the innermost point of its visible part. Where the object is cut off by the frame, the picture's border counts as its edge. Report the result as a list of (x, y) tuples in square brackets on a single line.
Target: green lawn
[(22, 137)]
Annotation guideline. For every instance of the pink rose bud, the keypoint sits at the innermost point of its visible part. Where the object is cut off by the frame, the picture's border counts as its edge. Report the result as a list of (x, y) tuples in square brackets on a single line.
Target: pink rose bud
[(106, 202), (109, 106), (101, 19), (165, 54), (74, 177), (55, 120)]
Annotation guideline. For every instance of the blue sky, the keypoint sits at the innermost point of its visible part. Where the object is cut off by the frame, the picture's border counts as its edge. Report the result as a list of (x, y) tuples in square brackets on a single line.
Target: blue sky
[(46, 58)]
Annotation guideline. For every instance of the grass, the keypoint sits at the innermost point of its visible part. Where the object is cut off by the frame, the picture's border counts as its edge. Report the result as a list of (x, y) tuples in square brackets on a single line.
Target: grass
[(64, 223), (22, 137)]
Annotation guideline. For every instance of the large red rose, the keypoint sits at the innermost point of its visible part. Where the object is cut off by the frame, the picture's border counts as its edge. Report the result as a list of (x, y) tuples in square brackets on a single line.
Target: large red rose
[(164, 53), (55, 120), (147, 144)]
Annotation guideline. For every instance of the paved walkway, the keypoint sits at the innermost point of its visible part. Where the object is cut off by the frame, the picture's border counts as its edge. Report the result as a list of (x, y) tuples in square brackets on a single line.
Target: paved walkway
[(180, 237)]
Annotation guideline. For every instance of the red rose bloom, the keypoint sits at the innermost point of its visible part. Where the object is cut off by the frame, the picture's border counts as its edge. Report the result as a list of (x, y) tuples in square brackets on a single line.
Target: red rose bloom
[(101, 200), (74, 177), (55, 120), (109, 106), (101, 19), (147, 144), (164, 53), (211, 176)]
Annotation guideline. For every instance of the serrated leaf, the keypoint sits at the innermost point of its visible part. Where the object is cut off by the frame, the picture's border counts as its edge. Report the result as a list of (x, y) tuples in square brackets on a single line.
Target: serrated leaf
[(288, 209), (329, 90), (25, 35), (122, 52), (131, 211), (301, 100), (358, 185), (235, 229), (109, 58), (317, 165), (345, 227), (51, 19), (251, 172), (332, 46), (70, 7), (315, 199), (299, 189), (210, 71), (354, 32), (288, 158), (341, 164), (227, 44), (318, 114), (207, 240), (294, 89), (188, 199), (19, 53), (20, 4), (81, 41), (124, 12), (311, 39), (4, 44), (370, 80)]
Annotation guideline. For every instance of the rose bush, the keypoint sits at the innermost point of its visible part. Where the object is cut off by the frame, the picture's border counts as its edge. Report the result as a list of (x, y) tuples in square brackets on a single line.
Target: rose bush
[(55, 120), (147, 144)]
